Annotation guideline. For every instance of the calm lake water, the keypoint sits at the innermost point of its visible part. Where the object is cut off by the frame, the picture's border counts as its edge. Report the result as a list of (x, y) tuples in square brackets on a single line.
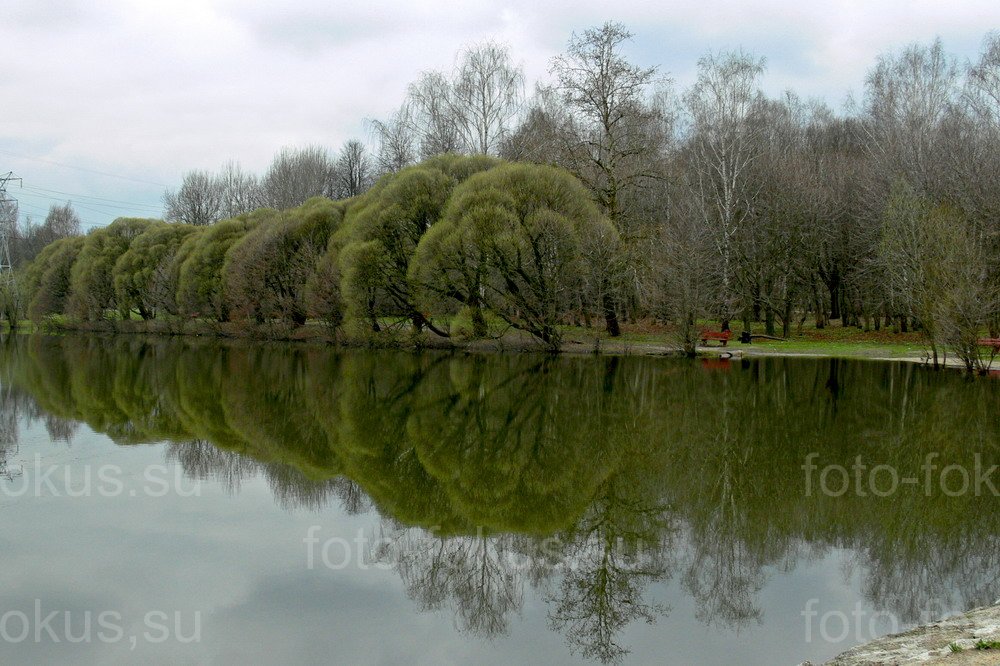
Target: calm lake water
[(178, 501)]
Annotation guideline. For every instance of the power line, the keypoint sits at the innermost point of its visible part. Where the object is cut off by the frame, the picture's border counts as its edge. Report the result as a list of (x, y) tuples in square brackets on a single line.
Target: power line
[(147, 208), (133, 204), (85, 169)]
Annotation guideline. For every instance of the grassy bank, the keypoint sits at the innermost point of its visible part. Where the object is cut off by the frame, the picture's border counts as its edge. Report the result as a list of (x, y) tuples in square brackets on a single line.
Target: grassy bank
[(639, 338)]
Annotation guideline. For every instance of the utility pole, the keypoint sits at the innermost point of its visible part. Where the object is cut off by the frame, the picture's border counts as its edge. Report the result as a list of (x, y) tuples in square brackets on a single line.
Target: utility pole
[(8, 223)]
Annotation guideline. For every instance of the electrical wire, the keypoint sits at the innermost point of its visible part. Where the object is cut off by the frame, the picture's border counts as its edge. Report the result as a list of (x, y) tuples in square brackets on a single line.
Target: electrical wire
[(78, 168), (93, 199)]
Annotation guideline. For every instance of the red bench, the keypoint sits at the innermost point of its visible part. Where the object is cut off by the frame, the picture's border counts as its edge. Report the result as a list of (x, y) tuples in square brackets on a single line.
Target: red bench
[(990, 342), (722, 337)]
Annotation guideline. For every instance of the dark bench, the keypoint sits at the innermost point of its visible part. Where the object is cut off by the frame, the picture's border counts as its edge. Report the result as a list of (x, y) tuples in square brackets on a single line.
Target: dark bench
[(722, 337), (990, 342)]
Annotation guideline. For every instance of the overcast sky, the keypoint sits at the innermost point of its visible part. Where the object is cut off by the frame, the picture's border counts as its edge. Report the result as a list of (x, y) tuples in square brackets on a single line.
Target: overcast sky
[(108, 102)]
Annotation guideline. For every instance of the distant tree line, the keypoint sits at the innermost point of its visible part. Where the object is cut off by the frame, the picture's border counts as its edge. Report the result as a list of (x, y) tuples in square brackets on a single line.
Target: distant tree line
[(294, 176), (28, 239), (606, 194)]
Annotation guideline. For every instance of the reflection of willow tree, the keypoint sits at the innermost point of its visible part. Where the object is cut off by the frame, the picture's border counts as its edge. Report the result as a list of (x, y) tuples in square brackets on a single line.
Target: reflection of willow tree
[(17, 401), (491, 443), (267, 409), (374, 404), (472, 575), (622, 544), (508, 443), (519, 443)]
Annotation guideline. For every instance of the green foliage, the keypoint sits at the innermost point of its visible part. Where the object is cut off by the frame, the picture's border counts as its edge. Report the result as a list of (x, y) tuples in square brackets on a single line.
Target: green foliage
[(143, 277), (184, 250), (382, 230), (267, 270), (49, 293), (523, 240), (92, 290), (323, 296), (12, 301), (525, 243), (199, 281), (31, 275)]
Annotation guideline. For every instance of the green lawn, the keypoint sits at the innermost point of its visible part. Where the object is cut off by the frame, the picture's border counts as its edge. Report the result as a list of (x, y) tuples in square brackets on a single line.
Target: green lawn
[(833, 340)]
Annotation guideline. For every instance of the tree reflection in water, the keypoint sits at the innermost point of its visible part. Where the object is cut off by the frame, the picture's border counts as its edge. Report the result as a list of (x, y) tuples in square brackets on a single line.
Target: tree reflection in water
[(590, 480)]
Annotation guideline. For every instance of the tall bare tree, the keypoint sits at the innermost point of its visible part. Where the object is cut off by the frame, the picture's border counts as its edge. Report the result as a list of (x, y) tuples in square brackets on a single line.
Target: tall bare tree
[(298, 174), (354, 170), (724, 144), (431, 101), (397, 142), (611, 131), (241, 191), (199, 200), (907, 98), (486, 95)]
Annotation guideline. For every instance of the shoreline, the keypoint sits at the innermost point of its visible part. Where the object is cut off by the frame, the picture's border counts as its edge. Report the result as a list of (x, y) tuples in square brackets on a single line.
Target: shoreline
[(511, 342), (966, 639)]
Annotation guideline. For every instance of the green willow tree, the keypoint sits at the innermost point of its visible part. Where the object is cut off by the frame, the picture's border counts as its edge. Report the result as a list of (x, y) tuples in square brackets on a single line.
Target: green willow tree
[(382, 230), (48, 293), (522, 240), (92, 290), (143, 279), (199, 282), (266, 271)]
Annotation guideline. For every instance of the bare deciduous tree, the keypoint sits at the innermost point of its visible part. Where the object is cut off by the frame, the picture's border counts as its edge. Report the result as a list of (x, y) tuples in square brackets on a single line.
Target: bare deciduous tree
[(612, 130), (199, 200), (241, 192), (907, 98), (485, 96), (433, 115), (396, 141), (354, 171), (723, 146), (296, 175)]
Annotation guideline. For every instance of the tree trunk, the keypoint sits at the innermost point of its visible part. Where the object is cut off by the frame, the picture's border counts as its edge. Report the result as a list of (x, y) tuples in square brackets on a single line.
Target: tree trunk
[(420, 322), (786, 320), (479, 328), (611, 317), (769, 320), (834, 286), (690, 336)]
